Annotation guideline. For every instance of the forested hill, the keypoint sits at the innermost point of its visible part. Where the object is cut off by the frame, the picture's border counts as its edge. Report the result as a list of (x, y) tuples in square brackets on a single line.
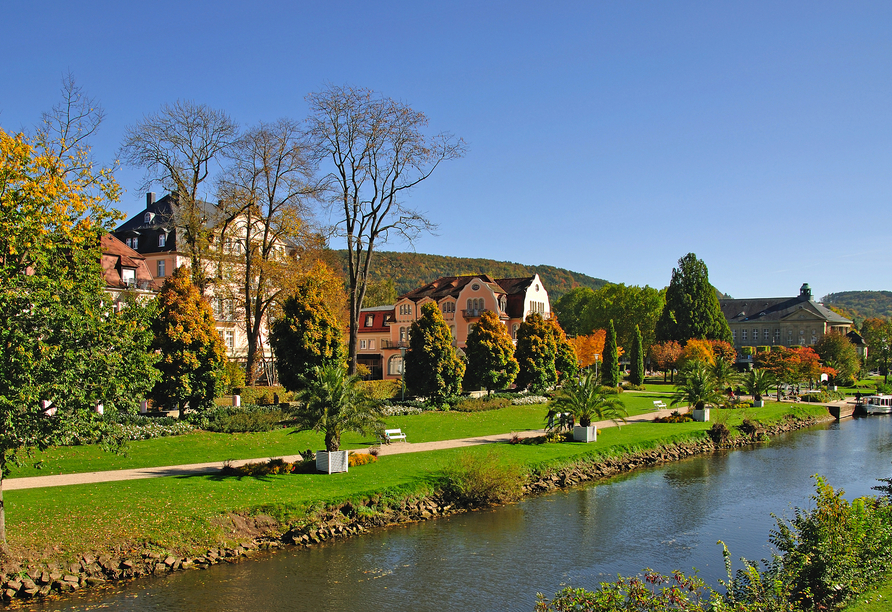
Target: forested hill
[(861, 304), (412, 270)]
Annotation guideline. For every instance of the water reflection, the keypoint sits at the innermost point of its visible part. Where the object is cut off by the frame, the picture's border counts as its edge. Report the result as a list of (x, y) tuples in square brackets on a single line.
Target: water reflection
[(666, 518)]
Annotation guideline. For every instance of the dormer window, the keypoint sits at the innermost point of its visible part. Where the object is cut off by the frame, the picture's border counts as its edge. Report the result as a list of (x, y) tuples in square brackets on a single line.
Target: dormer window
[(369, 320), (128, 275), (162, 239), (133, 243), (149, 217)]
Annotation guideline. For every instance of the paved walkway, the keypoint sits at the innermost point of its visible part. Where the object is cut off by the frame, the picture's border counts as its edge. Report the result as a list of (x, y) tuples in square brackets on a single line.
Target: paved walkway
[(13, 484)]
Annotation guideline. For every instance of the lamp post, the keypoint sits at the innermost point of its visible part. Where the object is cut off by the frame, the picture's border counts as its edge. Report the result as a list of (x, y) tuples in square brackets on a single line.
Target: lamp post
[(403, 371), (596, 367)]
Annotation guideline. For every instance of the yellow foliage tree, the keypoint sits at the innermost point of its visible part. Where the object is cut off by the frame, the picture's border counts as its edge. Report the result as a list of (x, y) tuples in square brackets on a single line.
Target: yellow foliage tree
[(589, 348), (699, 351)]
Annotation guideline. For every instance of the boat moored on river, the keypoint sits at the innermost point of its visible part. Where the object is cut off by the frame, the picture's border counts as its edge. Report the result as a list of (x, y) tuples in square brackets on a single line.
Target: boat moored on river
[(878, 404)]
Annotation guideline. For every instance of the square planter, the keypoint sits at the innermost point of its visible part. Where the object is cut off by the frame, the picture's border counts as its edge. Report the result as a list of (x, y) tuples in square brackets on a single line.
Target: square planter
[(758, 403), (331, 462), (585, 434), (701, 415)]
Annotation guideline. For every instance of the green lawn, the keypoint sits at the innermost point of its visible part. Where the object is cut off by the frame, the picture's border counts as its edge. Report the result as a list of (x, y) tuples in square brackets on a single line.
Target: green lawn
[(877, 600), (184, 514), (202, 447)]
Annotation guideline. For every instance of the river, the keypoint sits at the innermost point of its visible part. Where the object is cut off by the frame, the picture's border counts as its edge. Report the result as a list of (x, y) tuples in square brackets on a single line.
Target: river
[(665, 518)]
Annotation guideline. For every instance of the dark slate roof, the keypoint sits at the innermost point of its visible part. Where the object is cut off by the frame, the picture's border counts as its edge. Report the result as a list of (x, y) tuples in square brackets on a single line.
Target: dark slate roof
[(776, 309), (515, 285), (163, 215), (449, 286)]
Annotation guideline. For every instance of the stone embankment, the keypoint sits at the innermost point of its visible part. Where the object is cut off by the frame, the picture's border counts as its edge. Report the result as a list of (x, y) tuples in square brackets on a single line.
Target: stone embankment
[(347, 520)]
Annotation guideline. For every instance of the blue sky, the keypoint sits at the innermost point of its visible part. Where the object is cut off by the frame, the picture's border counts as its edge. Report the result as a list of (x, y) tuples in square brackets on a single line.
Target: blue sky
[(609, 138)]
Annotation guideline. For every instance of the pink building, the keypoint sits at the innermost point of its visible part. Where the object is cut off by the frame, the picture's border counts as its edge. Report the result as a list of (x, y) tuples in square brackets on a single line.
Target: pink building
[(384, 330)]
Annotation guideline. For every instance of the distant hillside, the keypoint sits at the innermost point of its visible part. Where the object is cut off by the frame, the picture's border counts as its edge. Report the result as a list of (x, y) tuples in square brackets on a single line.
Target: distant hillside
[(861, 304), (412, 270)]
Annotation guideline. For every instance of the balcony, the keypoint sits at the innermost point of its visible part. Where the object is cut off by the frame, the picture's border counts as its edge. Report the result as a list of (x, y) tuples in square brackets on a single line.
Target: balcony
[(390, 344)]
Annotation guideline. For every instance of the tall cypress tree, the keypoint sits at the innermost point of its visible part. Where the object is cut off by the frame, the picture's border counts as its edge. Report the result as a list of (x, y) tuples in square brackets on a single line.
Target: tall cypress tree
[(610, 375), (692, 307), (535, 354), (432, 367), (490, 353), (637, 356)]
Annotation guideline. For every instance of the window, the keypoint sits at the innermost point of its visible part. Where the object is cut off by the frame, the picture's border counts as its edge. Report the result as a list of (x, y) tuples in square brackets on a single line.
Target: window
[(229, 338), (402, 334), (162, 268), (743, 335), (395, 366), (128, 275), (218, 308), (148, 217), (162, 239), (228, 309), (514, 329), (733, 335), (371, 345), (133, 243), (777, 334), (766, 335), (369, 320), (362, 345)]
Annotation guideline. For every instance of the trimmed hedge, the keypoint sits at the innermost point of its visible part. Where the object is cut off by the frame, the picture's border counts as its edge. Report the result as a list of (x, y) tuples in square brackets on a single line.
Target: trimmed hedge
[(262, 396)]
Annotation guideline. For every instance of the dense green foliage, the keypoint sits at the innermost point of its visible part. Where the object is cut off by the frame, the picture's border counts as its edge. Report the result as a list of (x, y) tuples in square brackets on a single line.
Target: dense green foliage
[(332, 402), (878, 335), (490, 354), (610, 372), (838, 353), (581, 311), (697, 387), (636, 356), (535, 354), (412, 270), (566, 363), (692, 309), (241, 419), (193, 357), (306, 336), (432, 368), (861, 304)]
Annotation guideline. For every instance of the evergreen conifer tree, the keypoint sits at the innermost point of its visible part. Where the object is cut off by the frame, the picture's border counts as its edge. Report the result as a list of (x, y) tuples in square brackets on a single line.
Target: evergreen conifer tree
[(692, 308), (432, 367), (565, 361), (306, 336), (535, 354), (610, 374), (490, 353), (193, 357), (637, 356)]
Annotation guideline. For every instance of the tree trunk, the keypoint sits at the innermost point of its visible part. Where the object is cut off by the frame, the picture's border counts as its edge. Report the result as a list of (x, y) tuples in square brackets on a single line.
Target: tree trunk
[(4, 547), (332, 441)]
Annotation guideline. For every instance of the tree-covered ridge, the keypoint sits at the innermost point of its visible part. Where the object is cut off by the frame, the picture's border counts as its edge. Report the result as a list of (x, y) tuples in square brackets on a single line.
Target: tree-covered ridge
[(412, 270), (861, 304)]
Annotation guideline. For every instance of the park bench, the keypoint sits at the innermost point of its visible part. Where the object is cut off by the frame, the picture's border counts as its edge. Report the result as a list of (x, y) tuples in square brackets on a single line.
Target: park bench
[(659, 405), (394, 434)]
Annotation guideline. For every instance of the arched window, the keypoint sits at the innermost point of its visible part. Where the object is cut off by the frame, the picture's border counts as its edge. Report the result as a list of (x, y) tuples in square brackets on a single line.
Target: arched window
[(514, 329), (470, 304), (402, 334), (395, 366)]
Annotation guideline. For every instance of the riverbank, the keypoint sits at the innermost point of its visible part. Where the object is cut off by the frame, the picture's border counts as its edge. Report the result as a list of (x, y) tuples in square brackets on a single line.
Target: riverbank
[(372, 496)]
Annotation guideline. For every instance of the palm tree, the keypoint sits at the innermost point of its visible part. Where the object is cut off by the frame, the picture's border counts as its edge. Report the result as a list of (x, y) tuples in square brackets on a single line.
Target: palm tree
[(587, 401), (696, 387), (333, 402), (758, 383)]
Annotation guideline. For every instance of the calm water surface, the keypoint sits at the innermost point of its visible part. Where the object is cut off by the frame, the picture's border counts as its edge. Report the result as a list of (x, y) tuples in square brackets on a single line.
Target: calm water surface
[(665, 518)]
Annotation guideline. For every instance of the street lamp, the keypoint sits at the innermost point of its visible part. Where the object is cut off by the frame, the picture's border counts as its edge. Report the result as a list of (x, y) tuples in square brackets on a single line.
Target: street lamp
[(596, 366), (403, 371)]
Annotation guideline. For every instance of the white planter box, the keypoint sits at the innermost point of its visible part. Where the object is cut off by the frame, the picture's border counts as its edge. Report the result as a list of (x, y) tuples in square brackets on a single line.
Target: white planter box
[(758, 403), (701, 415), (585, 434), (331, 462)]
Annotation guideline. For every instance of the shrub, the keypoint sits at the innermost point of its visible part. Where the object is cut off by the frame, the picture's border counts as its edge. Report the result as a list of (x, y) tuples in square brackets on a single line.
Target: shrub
[(631, 387), (675, 417), (479, 479), (719, 433), (233, 376), (750, 427), (242, 419), (529, 400), (481, 404), (382, 389), (355, 459), (266, 468)]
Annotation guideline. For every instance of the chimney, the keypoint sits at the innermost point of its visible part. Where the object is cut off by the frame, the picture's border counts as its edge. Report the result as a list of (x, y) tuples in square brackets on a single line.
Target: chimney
[(150, 199)]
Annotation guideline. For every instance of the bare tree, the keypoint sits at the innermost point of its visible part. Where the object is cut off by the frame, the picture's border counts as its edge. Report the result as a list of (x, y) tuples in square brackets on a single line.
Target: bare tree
[(264, 195), (176, 146), (378, 152)]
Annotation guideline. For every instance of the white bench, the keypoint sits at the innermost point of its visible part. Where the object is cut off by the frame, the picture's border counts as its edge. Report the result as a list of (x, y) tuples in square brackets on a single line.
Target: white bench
[(659, 405), (394, 434)]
